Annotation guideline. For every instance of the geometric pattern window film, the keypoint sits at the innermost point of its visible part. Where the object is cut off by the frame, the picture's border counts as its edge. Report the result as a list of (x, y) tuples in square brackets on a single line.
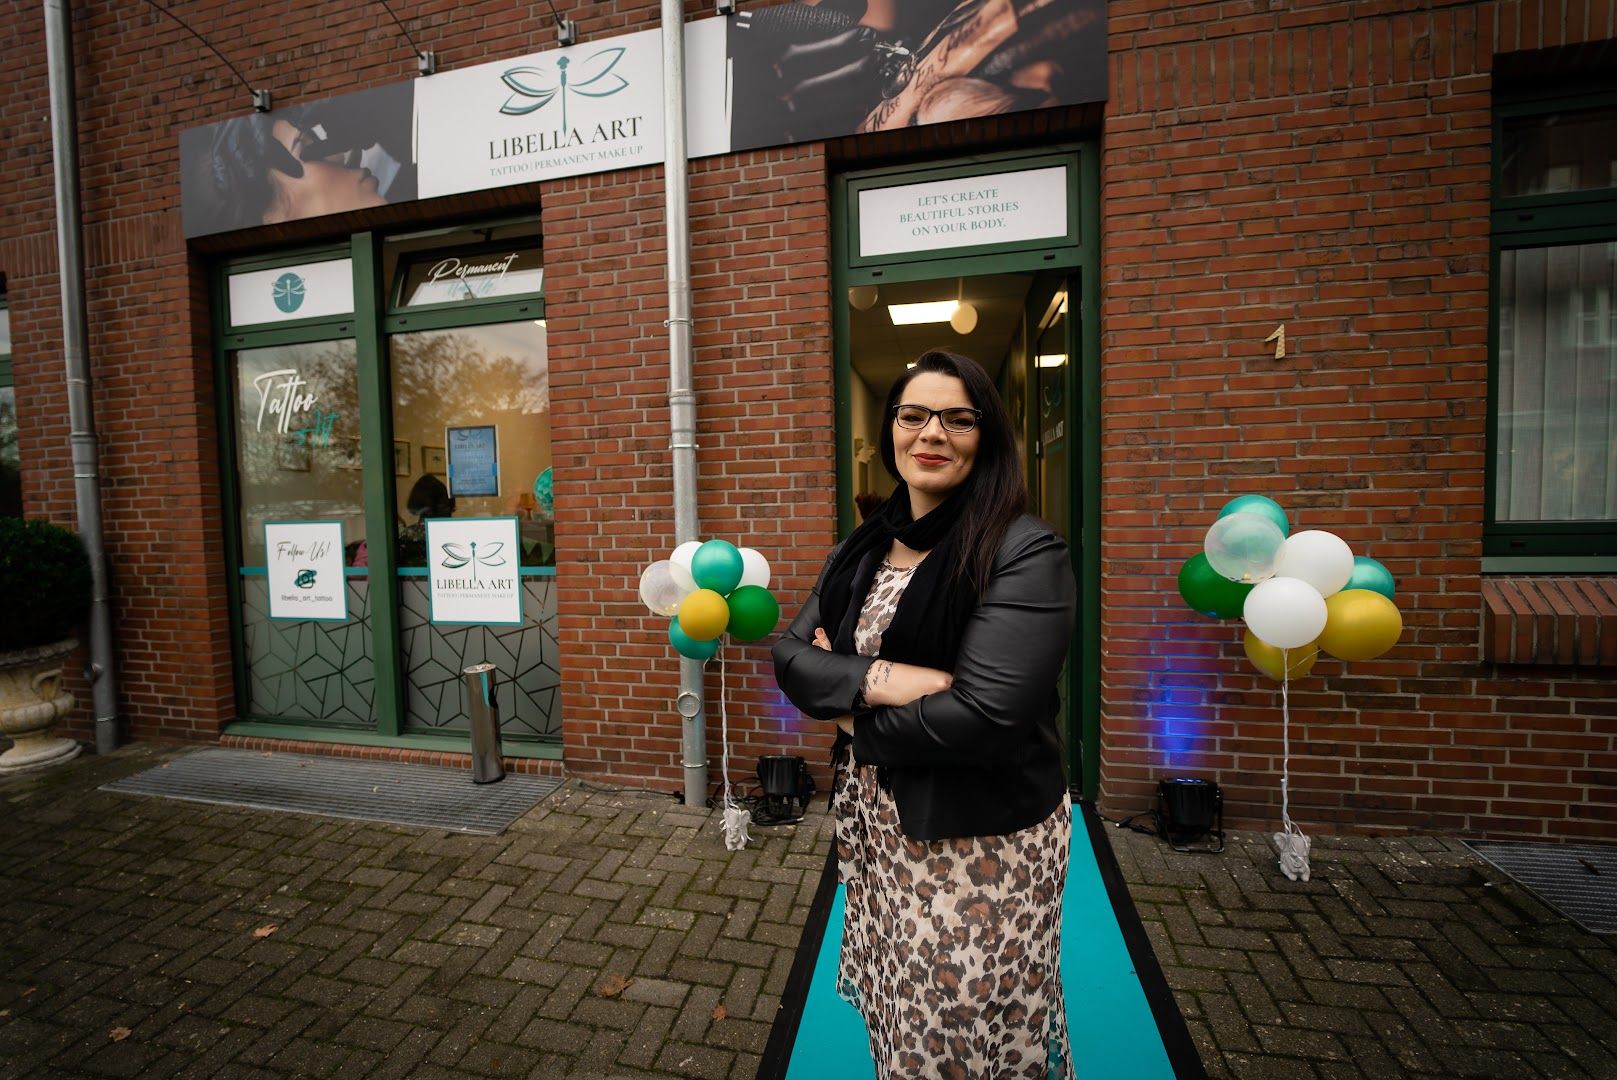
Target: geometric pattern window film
[(318, 671), (528, 687)]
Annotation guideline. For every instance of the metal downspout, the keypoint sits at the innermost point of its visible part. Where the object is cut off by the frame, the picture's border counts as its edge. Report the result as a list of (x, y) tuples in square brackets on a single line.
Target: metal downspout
[(681, 392), (75, 336)]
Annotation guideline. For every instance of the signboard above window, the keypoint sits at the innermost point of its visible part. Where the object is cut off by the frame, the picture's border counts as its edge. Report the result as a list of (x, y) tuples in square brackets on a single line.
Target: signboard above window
[(291, 293), (483, 274)]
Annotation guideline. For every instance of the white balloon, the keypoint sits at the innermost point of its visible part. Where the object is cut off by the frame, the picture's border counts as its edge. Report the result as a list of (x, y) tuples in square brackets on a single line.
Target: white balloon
[(1320, 558), (754, 569), (1285, 612), (659, 590), (681, 560), (1243, 546)]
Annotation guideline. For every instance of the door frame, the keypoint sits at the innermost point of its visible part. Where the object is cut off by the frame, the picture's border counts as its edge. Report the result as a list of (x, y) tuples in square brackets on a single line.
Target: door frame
[(1079, 254)]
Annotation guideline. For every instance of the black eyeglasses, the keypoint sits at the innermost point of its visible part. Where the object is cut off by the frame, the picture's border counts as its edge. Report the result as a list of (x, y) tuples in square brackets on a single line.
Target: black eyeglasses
[(955, 421)]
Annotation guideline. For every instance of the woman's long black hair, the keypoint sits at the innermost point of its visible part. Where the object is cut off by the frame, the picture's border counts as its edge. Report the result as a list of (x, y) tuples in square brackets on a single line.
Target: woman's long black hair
[(996, 490)]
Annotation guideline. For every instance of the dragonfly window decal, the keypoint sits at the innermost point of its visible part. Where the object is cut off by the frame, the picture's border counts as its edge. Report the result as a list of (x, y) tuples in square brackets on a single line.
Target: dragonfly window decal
[(456, 556), (532, 89)]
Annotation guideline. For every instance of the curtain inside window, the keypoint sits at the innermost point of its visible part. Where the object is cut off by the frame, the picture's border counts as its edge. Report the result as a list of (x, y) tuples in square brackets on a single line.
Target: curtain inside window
[(1557, 448)]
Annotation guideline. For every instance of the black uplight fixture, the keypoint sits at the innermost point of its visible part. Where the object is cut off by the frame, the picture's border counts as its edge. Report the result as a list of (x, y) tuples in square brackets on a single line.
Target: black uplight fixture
[(787, 787), (1190, 812)]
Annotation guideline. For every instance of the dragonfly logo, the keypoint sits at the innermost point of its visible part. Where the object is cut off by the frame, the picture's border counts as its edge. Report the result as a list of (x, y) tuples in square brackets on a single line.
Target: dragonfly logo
[(533, 88), (287, 292), (456, 556)]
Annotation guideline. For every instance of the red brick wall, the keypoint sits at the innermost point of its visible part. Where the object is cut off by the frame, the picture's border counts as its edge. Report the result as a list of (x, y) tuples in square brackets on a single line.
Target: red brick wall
[(1325, 166), (1322, 165)]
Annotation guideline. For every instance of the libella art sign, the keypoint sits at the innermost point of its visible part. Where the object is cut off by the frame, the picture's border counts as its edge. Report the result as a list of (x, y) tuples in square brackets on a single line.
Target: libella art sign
[(787, 73), (473, 571)]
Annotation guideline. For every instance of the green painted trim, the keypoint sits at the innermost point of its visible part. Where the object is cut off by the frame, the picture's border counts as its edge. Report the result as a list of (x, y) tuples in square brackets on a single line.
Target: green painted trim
[(299, 334), (841, 364), (510, 746), (1088, 646), (376, 455), (440, 317), (229, 484), (248, 263), (1561, 564), (977, 266)]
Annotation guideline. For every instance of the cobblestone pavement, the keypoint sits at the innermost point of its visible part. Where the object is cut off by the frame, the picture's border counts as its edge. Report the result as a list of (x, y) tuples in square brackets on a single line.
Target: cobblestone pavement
[(1408, 957), (601, 935)]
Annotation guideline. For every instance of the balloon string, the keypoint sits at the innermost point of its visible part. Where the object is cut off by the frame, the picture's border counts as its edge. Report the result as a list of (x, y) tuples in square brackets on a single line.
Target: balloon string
[(724, 733), (1285, 743)]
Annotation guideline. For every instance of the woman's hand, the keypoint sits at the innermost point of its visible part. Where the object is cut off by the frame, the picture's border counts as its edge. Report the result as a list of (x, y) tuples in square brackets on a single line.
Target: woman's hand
[(889, 683)]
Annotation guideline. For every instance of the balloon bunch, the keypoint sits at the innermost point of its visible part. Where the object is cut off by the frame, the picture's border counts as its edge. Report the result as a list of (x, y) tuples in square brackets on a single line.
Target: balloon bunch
[(1299, 594), (711, 588)]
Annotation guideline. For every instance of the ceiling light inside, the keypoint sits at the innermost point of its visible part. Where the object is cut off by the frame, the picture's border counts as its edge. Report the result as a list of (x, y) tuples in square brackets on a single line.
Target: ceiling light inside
[(914, 314), (1050, 360)]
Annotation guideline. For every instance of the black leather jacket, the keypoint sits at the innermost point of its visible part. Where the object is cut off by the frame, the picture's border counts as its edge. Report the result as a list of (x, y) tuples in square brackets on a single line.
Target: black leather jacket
[(982, 758)]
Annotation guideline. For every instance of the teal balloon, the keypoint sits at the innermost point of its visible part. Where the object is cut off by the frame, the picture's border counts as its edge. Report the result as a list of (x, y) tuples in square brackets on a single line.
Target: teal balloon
[(1369, 574), (688, 646), (1208, 591), (1258, 504), (717, 565), (543, 491), (754, 611)]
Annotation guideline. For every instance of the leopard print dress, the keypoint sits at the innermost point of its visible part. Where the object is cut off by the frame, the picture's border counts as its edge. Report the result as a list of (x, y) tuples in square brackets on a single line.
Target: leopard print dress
[(951, 949)]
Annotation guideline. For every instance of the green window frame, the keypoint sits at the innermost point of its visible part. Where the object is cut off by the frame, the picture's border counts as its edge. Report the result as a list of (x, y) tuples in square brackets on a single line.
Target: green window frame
[(373, 318), (1542, 222)]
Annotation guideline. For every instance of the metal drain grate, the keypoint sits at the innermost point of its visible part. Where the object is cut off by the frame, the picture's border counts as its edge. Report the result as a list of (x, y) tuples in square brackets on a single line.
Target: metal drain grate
[(1579, 881), (420, 795)]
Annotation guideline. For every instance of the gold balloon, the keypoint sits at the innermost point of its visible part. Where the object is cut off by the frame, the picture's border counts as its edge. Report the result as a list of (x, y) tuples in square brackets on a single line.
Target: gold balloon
[(1269, 660), (703, 615), (1360, 625)]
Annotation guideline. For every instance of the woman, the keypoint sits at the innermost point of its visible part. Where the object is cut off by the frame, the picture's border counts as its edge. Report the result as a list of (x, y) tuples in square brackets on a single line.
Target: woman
[(935, 638), (263, 170)]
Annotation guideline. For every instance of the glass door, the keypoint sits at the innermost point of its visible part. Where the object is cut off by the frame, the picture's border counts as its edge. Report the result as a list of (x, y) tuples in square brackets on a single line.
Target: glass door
[(295, 428)]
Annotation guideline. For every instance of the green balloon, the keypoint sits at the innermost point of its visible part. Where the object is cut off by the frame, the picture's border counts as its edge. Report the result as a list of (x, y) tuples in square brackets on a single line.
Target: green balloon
[(717, 565), (1208, 591), (1258, 504), (1369, 574), (688, 646), (753, 613)]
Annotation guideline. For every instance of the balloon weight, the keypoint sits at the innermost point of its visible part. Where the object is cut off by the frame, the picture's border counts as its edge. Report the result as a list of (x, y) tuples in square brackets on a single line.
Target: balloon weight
[(703, 614), (1258, 504), (1320, 558), (658, 590), (754, 568), (1285, 613), (1208, 592), (1361, 625), (1369, 574), (681, 558), (1272, 661), (688, 646), (717, 565), (753, 613), (1243, 546)]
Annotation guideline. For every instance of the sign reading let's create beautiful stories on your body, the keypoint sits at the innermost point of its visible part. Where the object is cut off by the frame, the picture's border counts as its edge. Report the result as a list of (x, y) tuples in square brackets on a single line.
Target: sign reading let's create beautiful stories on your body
[(305, 570), (474, 568), (997, 208)]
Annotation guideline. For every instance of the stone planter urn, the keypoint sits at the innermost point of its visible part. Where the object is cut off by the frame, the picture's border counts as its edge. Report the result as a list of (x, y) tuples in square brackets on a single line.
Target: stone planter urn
[(31, 702)]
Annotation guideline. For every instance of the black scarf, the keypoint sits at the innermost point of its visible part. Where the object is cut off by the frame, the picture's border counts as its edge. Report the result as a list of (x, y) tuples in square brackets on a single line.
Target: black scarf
[(936, 604)]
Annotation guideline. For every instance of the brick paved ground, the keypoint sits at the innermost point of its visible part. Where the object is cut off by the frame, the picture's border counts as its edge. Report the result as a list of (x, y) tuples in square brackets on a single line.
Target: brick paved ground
[(1407, 957), (397, 951)]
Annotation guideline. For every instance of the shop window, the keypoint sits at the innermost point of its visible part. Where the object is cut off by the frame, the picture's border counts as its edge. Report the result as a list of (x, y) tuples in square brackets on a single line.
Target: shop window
[(10, 460), (1553, 406)]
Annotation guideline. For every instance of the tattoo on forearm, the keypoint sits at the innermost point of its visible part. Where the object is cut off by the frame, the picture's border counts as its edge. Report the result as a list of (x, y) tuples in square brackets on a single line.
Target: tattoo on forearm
[(877, 674)]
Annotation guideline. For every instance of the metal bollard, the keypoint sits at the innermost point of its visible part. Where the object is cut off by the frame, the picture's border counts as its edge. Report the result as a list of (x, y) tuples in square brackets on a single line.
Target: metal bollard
[(483, 714)]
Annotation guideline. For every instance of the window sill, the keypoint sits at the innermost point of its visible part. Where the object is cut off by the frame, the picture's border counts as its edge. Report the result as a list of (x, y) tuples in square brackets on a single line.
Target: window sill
[(1566, 621)]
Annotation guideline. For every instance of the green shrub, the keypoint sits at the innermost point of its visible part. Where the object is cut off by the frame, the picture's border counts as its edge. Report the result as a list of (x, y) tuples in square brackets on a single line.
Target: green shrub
[(44, 583)]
